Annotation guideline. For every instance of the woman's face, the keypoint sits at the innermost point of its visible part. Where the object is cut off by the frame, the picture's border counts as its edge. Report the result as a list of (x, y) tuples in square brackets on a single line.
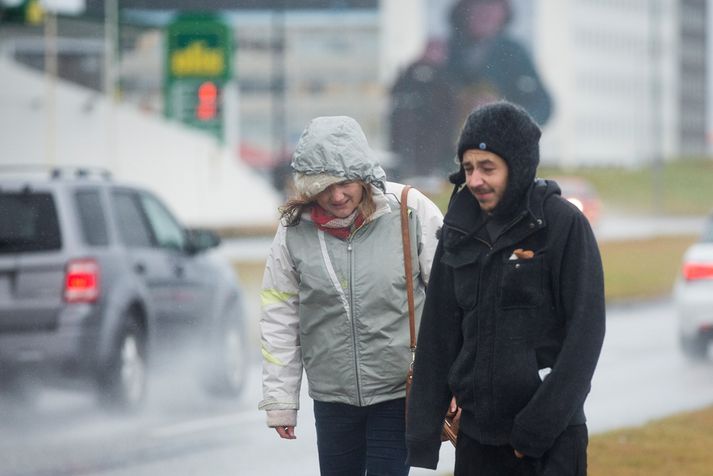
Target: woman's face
[(341, 199)]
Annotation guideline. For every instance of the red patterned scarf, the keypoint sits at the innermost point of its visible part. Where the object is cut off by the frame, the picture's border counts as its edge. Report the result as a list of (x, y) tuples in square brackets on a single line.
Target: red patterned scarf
[(339, 227)]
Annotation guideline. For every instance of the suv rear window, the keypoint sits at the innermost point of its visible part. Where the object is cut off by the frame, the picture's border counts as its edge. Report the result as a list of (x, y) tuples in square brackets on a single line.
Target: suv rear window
[(133, 228), (29, 223), (91, 216)]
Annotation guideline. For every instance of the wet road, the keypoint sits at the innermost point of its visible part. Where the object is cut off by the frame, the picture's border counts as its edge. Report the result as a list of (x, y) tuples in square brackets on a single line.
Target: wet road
[(632, 227), (641, 376)]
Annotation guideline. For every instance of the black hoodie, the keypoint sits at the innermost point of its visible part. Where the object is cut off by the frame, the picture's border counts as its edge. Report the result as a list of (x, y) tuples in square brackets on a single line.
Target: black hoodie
[(493, 323)]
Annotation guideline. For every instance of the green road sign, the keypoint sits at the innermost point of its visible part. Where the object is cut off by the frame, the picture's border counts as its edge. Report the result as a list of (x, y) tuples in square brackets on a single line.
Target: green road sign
[(26, 11), (197, 68)]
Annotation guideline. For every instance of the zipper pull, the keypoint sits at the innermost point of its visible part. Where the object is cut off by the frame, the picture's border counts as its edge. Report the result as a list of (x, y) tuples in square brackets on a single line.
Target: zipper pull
[(349, 247)]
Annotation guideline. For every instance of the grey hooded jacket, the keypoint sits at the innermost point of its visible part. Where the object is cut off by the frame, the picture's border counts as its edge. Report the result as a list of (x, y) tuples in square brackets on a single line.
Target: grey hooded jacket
[(337, 308)]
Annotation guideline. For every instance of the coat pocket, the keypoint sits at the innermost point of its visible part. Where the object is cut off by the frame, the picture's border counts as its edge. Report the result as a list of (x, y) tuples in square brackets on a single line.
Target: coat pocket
[(515, 378), (466, 273), (522, 284)]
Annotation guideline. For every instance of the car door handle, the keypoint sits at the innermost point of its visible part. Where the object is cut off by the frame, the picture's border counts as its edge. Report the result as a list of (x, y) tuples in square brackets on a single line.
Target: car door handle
[(139, 268)]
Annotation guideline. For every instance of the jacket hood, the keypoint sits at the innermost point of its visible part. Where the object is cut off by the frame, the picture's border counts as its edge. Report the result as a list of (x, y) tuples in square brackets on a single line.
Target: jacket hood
[(337, 146)]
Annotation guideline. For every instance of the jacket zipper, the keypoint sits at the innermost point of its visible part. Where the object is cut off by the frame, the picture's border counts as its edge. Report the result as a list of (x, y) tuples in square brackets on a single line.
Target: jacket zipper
[(491, 363), (477, 347), (491, 247), (350, 248)]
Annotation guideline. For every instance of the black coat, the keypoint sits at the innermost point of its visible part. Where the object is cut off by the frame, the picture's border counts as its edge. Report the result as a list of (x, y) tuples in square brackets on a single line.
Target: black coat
[(493, 323), (502, 67), (422, 124)]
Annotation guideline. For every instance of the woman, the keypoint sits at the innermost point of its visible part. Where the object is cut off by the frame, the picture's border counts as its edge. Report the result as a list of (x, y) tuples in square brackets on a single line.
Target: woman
[(334, 301)]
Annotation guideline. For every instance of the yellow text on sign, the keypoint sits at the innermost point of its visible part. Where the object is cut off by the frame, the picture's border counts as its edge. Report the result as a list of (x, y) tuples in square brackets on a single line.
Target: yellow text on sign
[(198, 60)]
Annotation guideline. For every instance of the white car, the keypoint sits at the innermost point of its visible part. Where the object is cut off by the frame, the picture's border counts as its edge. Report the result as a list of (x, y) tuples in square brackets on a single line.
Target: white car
[(693, 295)]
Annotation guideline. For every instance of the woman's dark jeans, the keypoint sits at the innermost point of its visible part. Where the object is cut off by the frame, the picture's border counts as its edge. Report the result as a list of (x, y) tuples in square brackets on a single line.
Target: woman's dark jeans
[(354, 440)]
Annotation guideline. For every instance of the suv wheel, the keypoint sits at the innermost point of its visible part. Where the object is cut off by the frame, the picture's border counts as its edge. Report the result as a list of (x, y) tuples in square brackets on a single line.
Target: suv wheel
[(122, 384), (17, 388), (227, 371)]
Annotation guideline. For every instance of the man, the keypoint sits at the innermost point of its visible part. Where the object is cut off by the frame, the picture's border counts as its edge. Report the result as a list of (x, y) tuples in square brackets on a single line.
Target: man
[(514, 316), (488, 63), (422, 120)]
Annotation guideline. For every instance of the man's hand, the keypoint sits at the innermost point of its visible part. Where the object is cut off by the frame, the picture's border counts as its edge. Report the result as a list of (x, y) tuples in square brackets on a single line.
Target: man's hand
[(286, 432), (518, 455)]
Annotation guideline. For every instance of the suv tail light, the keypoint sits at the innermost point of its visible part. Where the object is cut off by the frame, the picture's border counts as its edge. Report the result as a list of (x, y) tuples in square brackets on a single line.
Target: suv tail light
[(694, 271), (81, 283)]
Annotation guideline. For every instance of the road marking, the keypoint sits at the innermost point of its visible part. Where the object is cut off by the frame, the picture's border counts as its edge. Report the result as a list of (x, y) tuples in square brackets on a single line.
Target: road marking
[(195, 426)]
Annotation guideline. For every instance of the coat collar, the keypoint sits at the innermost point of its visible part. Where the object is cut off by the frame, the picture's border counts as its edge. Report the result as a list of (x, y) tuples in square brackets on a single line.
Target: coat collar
[(465, 216)]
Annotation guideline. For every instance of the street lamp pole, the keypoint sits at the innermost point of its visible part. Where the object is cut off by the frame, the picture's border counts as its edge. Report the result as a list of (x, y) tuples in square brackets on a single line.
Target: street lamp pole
[(111, 20), (657, 166), (279, 83), (50, 34)]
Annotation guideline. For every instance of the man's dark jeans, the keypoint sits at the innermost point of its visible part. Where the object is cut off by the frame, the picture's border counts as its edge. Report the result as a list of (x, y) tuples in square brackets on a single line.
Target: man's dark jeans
[(352, 440), (567, 457)]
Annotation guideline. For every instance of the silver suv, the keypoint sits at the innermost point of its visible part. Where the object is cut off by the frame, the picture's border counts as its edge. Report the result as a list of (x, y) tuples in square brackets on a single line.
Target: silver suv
[(98, 279)]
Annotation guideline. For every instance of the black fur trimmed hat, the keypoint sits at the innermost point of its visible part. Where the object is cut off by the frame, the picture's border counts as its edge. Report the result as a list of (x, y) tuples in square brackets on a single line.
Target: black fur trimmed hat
[(510, 132)]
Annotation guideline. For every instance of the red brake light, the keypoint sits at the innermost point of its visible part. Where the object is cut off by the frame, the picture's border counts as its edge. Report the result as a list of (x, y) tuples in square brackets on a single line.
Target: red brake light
[(695, 271), (81, 282)]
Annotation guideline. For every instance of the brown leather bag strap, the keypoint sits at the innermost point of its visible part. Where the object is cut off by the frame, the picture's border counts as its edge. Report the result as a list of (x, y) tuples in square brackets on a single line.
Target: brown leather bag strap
[(408, 269)]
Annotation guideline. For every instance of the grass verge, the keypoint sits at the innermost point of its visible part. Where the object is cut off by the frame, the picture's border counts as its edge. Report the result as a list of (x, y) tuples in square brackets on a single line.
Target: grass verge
[(633, 269), (640, 269), (674, 446), (682, 188), (678, 445)]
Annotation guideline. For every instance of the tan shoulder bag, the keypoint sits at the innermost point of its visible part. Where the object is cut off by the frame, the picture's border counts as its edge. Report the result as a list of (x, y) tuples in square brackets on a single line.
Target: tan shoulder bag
[(450, 427)]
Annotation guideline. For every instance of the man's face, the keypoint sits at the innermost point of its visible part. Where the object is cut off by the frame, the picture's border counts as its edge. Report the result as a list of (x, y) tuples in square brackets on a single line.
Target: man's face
[(341, 199), (486, 176), (486, 19)]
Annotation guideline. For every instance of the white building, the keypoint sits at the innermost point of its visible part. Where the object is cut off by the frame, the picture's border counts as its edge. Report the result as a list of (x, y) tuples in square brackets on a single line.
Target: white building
[(53, 123), (330, 67), (628, 79)]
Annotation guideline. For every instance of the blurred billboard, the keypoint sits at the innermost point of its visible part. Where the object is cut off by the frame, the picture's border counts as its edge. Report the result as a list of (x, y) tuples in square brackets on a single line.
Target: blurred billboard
[(97, 6)]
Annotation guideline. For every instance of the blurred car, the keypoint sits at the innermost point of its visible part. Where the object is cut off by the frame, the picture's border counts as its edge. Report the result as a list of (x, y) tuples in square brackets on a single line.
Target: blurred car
[(693, 296), (583, 195), (98, 280)]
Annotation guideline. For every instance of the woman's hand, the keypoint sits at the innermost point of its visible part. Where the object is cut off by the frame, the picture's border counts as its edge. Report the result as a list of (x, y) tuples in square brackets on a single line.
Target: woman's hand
[(453, 410), (286, 432)]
